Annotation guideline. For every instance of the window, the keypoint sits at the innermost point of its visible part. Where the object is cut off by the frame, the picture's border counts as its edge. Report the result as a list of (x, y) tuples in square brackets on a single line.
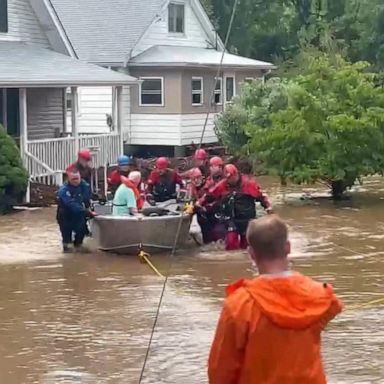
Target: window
[(69, 101), (152, 91), (4, 16), (176, 18), (197, 91), (218, 98), (229, 89)]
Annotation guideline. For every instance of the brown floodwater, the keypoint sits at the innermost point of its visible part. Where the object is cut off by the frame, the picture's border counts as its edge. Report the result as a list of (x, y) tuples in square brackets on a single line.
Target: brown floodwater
[(88, 318)]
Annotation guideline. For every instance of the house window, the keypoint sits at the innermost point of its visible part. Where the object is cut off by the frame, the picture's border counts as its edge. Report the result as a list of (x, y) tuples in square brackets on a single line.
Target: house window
[(4, 16), (197, 91), (229, 89), (176, 14), (152, 91), (69, 101), (218, 98)]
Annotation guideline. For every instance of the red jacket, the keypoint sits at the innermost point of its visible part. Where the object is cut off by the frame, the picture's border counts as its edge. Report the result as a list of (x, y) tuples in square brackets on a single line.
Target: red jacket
[(247, 186), (163, 187), (114, 179)]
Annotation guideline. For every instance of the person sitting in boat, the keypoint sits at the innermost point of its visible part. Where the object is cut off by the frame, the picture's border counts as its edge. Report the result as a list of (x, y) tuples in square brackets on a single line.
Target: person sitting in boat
[(128, 199), (238, 194), (212, 228), (162, 182), (73, 209), (125, 166), (83, 165)]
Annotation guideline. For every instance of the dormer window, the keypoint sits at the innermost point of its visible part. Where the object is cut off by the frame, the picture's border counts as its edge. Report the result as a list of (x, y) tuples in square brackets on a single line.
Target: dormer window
[(176, 18), (4, 16)]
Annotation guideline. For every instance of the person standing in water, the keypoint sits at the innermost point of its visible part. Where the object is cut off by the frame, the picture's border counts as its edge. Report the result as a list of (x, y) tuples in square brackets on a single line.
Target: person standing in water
[(73, 210), (270, 327)]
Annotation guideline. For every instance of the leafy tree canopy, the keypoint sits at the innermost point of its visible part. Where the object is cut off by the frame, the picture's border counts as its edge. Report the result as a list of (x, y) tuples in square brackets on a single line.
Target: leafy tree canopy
[(324, 124)]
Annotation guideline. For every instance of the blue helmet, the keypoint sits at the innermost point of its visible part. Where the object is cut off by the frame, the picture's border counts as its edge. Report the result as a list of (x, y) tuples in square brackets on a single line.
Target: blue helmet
[(122, 161)]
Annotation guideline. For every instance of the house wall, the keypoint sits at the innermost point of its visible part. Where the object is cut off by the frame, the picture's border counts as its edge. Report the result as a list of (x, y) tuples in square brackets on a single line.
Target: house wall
[(157, 33), (45, 112), (172, 91), (94, 104), (23, 24)]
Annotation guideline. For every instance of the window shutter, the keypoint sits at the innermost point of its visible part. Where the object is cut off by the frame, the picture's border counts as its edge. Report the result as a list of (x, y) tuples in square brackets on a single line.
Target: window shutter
[(4, 16)]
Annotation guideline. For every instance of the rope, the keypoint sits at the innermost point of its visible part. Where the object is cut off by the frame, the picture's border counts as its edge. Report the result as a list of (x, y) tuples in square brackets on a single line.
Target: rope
[(235, 4), (145, 257)]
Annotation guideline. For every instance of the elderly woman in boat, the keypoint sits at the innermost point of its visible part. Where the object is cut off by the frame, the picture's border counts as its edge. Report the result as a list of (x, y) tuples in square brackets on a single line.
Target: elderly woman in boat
[(128, 200)]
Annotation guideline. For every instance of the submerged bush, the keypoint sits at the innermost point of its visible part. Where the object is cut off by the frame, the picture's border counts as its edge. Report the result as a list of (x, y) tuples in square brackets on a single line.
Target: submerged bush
[(13, 176)]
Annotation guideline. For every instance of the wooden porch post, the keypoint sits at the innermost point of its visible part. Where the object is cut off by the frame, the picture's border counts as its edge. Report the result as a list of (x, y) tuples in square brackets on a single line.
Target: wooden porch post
[(5, 115), (24, 131), (119, 122), (75, 120)]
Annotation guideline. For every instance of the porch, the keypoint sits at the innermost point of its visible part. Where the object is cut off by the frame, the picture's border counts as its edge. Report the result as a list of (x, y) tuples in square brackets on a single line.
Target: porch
[(33, 109)]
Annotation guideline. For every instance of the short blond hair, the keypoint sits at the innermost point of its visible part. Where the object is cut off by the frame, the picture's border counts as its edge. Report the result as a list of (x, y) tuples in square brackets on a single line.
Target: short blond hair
[(268, 236)]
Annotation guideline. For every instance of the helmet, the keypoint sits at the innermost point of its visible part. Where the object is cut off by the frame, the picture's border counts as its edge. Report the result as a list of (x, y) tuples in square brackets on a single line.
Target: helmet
[(216, 161), (201, 154), (230, 170), (85, 154), (162, 163), (122, 161), (196, 173)]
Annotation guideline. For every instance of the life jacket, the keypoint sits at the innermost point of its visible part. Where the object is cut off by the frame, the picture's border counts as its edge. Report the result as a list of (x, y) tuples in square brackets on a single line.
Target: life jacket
[(114, 180), (164, 186), (239, 203), (269, 331), (139, 199)]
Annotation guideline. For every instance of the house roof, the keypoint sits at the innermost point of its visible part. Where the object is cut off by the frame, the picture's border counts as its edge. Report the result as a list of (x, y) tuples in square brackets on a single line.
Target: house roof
[(174, 56), (24, 65), (104, 31)]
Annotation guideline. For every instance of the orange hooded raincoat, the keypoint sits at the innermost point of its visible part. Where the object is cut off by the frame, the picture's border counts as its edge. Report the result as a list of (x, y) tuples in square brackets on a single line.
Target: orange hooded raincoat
[(269, 331)]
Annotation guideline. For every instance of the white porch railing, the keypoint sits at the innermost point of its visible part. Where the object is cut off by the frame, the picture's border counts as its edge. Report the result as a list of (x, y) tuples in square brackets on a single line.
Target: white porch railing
[(49, 157)]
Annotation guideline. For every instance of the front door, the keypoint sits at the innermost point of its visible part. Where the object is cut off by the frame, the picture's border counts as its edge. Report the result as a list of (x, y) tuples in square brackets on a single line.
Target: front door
[(13, 126)]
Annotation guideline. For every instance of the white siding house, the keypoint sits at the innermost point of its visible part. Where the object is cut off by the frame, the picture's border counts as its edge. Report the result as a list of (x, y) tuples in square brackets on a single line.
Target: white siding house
[(172, 47), (23, 24), (35, 71)]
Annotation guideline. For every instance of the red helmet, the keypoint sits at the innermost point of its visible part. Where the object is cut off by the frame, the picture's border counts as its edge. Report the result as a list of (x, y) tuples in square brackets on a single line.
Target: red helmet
[(201, 154), (196, 173), (216, 161), (230, 170), (85, 154), (162, 163)]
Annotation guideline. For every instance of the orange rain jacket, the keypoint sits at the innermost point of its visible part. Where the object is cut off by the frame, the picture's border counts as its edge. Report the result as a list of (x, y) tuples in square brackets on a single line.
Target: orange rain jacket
[(269, 331)]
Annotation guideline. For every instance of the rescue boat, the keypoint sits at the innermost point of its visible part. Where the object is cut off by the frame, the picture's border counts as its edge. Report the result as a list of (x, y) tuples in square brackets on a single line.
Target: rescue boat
[(155, 230)]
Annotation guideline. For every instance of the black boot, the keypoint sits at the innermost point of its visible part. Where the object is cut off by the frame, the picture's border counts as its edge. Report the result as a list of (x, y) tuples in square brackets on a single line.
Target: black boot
[(67, 248)]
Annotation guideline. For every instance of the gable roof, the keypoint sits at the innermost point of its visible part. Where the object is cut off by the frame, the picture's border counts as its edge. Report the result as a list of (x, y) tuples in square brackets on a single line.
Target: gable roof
[(30, 66), (174, 56), (103, 31)]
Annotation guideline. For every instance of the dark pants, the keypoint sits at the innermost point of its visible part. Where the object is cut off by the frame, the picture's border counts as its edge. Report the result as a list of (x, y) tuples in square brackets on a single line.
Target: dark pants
[(70, 227), (211, 228)]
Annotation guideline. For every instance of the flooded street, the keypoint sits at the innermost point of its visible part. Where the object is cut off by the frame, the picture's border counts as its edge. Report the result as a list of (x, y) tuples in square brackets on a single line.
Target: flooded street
[(88, 318)]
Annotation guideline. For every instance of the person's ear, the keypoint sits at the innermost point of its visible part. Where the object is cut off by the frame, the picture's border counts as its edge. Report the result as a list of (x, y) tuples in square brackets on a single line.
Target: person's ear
[(287, 247), (252, 253)]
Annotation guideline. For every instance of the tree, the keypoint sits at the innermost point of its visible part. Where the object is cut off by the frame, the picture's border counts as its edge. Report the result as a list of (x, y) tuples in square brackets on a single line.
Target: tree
[(324, 125), (13, 176)]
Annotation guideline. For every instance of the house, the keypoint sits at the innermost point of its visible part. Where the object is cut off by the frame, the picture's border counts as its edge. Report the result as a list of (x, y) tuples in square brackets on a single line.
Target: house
[(171, 46), (36, 71)]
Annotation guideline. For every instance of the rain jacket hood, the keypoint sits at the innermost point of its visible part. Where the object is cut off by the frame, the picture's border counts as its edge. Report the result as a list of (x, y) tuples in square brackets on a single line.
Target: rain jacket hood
[(290, 300)]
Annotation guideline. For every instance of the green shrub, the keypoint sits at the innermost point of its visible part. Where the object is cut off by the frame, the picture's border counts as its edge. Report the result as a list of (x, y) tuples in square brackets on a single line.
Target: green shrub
[(13, 176)]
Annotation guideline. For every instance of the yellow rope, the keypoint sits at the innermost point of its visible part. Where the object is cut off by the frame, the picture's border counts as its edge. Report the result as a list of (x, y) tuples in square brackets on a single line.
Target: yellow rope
[(144, 258), (369, 303)]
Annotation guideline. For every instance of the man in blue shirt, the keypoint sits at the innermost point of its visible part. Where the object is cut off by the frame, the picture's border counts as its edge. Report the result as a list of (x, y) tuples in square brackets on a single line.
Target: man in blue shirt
[(73, 210)]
